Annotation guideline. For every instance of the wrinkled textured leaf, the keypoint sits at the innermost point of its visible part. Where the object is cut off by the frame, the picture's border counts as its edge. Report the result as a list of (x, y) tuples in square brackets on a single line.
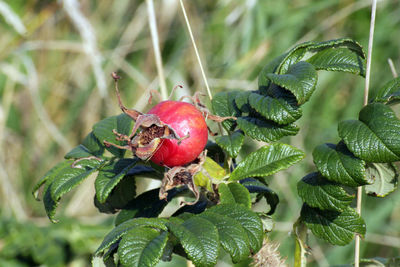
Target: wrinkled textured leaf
[(375, 137), (116, 233), (232, 235), (103, 130), (89, 147), (338, 59), (242, 101), (51, 175), (231, 143), (275, 109), (337, 228), (234, 193), (197, 208), (110, 175), (142, 247), (147, 204), (266, 161), (337, 164), (389, 93), (385, 176), (299, 51), (291, 58), (63, 179), (247, 219), (336, 43), (263, 130), (119, 197), (199, 238), (224, 105), (271, 67), (300, 79), (320, 193), (255, 186)]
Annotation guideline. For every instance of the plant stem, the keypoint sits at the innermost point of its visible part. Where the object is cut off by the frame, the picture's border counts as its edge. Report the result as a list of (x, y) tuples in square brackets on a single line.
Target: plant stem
[(196, 50), (392, 68), (366, 92), (156, 47)]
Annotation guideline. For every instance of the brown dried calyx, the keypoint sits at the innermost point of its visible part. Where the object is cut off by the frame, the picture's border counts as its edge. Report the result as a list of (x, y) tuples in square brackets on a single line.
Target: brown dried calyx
[(181, 176), (145, 143)]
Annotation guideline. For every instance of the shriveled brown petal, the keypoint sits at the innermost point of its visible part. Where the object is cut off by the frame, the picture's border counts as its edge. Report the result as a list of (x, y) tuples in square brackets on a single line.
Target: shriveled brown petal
[(147, 151), (183, 176)]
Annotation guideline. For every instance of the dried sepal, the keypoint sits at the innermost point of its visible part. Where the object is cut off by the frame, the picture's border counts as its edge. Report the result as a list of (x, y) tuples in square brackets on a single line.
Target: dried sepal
[(195, 99), (145, 143), (181, 176)]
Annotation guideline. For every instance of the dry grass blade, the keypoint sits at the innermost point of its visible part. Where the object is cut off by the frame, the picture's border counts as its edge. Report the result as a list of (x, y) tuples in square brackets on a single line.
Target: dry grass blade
[(12, 18), (88, 35)]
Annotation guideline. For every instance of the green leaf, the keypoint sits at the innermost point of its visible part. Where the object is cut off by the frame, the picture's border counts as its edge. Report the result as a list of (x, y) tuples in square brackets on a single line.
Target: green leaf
[(271, 67), (300, 80), (103, 130), (110, 175), (255, 186), (209, 172), (299, 51), (389, 93), (116, 233), (338, 59), (337, 228), (291, 58), (375, 137), (242, 101), (337, 164), (266, 161), (51, 175), (247, 219), (89, 147), (232, 235), (120, 196), (142, 247), (385, 176), (231, 143), (224, 105), (63, 179), (320, 193), (263, 130), (275, 109), (147, 204), (337, 43), (234, 193), (199, 238)]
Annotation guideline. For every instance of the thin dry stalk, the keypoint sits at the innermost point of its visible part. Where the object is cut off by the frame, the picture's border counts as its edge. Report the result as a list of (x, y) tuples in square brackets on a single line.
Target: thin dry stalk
[(392, 68), (12, 18), (156, 47), (88, 36), (195, 49), (33, 86), (366, 92)]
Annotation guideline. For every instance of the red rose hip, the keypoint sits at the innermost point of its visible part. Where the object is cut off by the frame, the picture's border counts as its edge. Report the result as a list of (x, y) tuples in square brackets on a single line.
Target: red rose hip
[(186, 120)]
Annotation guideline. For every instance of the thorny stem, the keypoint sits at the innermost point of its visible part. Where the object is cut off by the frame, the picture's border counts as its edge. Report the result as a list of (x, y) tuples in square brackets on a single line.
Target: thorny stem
[(366, 91)]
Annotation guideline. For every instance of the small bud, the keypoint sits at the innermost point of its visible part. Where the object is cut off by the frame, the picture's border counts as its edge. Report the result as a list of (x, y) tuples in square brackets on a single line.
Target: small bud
[(115, 76)]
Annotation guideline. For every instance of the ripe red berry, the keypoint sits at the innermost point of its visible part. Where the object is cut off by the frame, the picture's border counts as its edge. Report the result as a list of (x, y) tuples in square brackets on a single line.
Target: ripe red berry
[(186, 120)]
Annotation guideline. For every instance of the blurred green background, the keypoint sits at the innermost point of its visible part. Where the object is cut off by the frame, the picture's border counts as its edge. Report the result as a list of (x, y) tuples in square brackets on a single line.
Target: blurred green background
[(55, 61)]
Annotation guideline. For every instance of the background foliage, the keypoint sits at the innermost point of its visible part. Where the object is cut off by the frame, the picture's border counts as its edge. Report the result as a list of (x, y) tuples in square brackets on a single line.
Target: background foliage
[(54, 85)]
